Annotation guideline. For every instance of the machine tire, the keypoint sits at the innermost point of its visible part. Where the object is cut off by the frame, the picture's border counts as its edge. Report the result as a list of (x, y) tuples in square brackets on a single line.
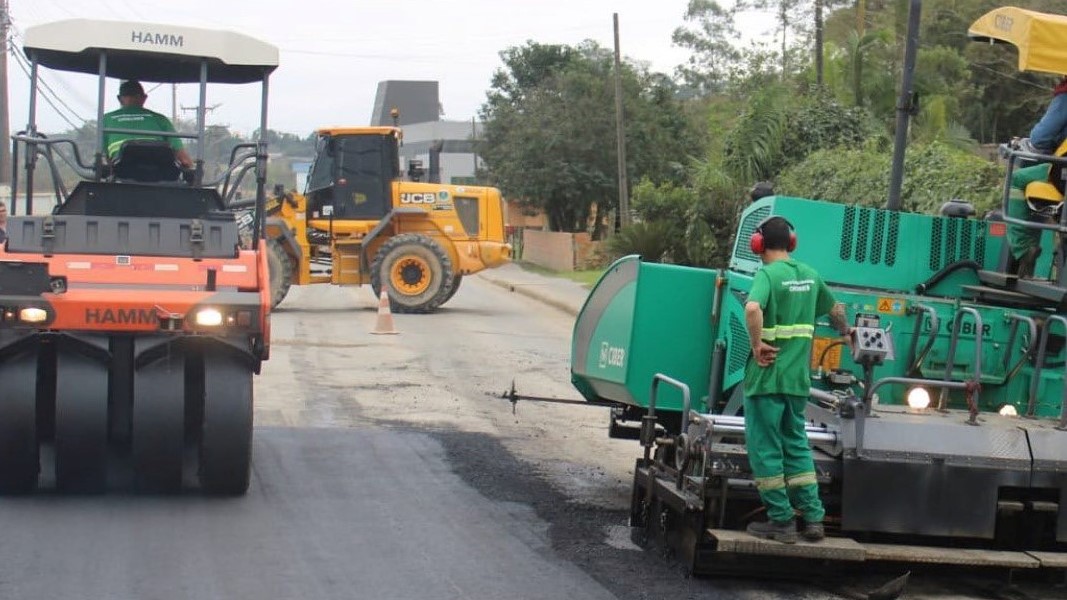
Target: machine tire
[(226, 434), (81, 423), (415, 271), (19, 450), (281, 268), (452, 292), (159, 424)]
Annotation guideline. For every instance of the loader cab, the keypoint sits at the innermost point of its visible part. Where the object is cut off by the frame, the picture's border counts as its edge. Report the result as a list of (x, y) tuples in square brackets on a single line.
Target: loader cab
[(353, 173)]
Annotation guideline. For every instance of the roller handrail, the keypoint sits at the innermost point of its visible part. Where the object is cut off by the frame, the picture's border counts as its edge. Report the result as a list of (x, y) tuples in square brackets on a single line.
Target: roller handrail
[(47, 141), (229, 170), (233, 158), (228, 191)]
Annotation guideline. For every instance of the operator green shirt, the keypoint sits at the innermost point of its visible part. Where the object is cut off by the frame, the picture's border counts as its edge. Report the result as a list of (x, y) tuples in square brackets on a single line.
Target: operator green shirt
[(141, 119), (791, 295)]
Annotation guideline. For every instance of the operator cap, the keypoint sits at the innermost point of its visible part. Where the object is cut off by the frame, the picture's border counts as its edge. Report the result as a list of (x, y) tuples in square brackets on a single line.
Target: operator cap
[(131, 88)]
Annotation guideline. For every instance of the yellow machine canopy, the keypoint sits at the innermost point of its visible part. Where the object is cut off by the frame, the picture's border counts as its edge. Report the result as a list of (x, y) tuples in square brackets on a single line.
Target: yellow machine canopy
[(1041, 38)]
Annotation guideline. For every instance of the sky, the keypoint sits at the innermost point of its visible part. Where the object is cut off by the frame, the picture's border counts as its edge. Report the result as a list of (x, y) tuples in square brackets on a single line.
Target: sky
[(333, 53)]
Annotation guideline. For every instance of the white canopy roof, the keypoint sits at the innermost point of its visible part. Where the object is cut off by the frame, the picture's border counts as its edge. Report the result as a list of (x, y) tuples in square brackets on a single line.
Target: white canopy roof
[(150, 51)]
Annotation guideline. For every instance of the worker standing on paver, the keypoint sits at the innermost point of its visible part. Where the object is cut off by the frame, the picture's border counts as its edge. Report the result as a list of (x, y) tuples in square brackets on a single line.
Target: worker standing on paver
[(780, 312)]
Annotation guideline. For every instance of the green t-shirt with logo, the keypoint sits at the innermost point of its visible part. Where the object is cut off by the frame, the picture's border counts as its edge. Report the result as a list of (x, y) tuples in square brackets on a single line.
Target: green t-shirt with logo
[(141, 119), (791, 295)]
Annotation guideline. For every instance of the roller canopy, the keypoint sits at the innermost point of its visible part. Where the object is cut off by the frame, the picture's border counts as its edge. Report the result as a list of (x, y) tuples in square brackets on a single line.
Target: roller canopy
[(149, 51), (1041, 38)]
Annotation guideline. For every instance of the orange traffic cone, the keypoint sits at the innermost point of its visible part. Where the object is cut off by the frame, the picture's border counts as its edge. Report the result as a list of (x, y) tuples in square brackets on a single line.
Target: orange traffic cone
[(385, 317)]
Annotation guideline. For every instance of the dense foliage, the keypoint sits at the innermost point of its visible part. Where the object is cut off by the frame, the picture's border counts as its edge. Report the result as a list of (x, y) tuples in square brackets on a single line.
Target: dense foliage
[(936, 173), (550, 125), (811, 109)]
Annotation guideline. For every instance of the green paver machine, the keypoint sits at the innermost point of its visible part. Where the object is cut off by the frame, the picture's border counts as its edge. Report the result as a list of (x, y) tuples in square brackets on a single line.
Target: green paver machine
[(939, 437)]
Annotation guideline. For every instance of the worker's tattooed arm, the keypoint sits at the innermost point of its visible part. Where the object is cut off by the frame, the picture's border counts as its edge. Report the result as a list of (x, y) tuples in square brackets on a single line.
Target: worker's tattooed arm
[(838, 320)]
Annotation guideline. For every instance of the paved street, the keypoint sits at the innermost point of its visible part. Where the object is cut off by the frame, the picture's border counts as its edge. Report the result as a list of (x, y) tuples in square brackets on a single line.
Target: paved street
[(385, 467)]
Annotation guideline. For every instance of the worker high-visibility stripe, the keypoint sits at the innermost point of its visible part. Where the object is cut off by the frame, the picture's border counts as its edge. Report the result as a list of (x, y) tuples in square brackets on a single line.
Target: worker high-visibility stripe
[(801, 480), (774, 482), (781, 332)]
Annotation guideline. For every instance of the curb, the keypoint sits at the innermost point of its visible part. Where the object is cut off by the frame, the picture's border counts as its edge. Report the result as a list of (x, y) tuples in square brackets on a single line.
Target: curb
[(531, 291)]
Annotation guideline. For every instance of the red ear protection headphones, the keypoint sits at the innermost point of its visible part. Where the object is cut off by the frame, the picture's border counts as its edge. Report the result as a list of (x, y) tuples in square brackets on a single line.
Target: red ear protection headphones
[(756, 244)]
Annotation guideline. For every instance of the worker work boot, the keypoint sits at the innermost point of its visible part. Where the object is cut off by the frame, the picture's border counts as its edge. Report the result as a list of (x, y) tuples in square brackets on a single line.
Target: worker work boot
[(779, 531), (813, 532)]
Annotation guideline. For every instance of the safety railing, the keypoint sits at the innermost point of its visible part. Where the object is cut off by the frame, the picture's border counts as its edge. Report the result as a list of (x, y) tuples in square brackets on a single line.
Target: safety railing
[(1014, 156), (915, 361), (1016, 321), (1039, 363), (974, 389)]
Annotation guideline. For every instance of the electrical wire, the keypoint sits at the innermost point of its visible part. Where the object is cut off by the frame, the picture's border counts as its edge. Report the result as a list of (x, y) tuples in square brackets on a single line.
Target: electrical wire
[(45, 89), (20, 55), (45, 97)]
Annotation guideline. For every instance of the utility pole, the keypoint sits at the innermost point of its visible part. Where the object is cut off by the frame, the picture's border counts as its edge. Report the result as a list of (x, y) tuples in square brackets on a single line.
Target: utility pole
[(474, 153), (207, 109), (5, 125), (818, 42), (620, 134), (905, 106), (173, 103)]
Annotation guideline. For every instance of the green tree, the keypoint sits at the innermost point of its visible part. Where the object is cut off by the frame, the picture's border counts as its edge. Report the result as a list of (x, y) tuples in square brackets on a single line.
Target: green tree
[(549, 134), (710, 38)]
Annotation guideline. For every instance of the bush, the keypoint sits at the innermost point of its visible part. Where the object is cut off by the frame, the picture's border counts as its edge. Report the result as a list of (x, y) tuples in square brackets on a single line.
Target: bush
[(647, 239), (668, 206), (933, 174)]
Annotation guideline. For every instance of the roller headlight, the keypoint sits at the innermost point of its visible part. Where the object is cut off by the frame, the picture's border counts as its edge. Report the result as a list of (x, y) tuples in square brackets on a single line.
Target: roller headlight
[(918, 398), (1008, 410), (33, 315), (208, 317)]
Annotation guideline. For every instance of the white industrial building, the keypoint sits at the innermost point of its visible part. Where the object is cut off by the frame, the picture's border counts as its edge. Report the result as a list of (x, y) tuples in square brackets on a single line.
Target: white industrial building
[(420, 109)]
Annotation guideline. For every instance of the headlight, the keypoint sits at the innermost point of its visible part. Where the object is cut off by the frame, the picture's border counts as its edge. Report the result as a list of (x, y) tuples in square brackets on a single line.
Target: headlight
[(918, 398), (1008, 410), (208, 317), (33, 315)]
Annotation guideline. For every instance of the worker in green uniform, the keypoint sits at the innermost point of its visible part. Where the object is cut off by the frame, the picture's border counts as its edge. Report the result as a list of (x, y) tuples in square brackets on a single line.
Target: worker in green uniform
[(1046, 138), (133, 115), (780, 312)]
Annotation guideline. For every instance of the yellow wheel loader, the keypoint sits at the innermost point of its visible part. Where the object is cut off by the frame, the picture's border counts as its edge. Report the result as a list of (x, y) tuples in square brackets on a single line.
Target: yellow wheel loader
[(360, 222)]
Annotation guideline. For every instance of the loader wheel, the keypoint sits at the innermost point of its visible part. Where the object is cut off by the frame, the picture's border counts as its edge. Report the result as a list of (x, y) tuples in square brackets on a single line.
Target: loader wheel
[(455, 286), (281, 268), (415, 271)]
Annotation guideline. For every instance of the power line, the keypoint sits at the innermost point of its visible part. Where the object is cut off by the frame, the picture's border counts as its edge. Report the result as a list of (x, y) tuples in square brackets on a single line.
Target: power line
[(45, 88), (20, 56), (26, 70)]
